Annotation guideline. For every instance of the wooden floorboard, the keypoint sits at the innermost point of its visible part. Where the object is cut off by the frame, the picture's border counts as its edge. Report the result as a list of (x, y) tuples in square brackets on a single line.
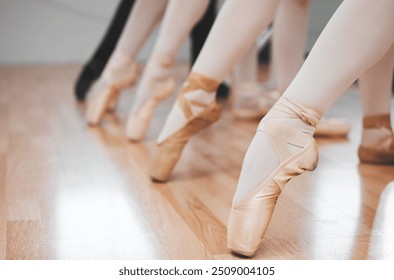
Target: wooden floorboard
[(68, 191)]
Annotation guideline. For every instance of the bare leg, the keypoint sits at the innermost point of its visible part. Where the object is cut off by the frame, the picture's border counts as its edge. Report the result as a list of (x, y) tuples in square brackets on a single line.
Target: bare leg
[(157, 82)]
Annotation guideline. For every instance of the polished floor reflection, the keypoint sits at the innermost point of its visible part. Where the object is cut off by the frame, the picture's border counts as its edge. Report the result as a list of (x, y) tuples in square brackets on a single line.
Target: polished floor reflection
[(68, 191)]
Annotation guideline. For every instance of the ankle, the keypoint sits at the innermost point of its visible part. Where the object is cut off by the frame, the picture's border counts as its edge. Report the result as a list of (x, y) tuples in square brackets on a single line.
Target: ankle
[(160, 66), (294, 114), (117, 61), (375, 129), (120, 67), (377, 121)]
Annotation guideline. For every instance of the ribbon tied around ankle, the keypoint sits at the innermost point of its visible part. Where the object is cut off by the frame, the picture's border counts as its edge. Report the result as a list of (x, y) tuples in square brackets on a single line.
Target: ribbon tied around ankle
[(305, 113)]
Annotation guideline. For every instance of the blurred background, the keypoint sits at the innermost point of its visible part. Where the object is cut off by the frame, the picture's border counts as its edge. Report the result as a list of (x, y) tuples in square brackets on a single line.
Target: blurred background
[(68, 31)]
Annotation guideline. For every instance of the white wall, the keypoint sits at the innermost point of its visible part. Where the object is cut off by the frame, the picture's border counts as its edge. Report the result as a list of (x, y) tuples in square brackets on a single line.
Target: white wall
[(58, 31)]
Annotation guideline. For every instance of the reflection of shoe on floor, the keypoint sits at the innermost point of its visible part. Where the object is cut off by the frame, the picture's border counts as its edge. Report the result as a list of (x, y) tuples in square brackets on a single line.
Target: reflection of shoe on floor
[(253, 101), (377, 145), (329, 127)]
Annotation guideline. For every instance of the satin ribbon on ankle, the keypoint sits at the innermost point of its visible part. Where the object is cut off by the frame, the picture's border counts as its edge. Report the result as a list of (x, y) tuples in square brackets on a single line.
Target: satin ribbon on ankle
[(377, 121), (304, 112)]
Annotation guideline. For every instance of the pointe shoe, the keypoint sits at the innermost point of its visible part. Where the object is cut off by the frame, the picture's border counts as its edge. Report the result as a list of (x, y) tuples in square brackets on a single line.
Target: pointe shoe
[(249, 218), (159, 86), (330, 127), (106, 91), (382, 151), (253, 101), (169, 150)]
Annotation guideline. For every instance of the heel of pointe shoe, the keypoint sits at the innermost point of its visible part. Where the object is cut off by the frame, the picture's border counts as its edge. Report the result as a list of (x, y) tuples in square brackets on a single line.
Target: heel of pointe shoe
[(97, 108), (374, 156), (168, 152), (332, 128), (366, 155), (311, 156), (164, 160), (383, 151)]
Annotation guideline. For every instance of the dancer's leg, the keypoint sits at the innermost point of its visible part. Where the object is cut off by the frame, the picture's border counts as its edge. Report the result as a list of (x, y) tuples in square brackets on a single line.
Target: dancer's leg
[(95, 66), (247, 92), (199, 35), (357, 36), (120, 71), (179, 19), (227, 42), (375, 86), (288, 43), (377, 144), (201, 30), (235, 30), (288, 50), (288, 47), (144, 17), (246, 69), (157, 80)]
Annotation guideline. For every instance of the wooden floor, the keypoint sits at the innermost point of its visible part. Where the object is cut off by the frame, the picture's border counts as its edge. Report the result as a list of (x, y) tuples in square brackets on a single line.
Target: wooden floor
[(68, 191)]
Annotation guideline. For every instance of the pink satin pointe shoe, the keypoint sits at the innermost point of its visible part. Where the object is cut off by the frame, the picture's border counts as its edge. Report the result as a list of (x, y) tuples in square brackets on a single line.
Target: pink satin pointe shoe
[(168, 150), (250, 216), (106, 91), (381, 150), (157, 84), (331, 127)]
